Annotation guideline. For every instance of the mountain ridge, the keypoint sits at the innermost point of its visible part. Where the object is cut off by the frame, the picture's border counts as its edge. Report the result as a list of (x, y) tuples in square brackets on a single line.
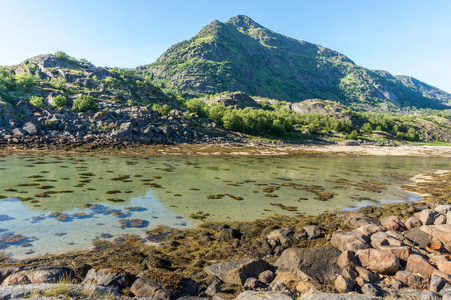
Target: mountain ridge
[(242, 55)]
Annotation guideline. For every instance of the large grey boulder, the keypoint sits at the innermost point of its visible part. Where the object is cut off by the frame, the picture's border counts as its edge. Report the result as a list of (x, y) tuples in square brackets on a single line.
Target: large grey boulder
[(320, 263), (124, 133), (107, 277), (237, 271), (316, 295), (30, 128)]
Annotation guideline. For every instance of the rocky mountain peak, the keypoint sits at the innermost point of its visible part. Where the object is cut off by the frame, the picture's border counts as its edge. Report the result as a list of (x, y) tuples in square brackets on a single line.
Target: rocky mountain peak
[(243, 21)]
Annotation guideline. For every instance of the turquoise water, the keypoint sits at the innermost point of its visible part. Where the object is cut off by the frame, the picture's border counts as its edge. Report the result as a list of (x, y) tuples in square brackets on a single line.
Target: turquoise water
[(53, 204)]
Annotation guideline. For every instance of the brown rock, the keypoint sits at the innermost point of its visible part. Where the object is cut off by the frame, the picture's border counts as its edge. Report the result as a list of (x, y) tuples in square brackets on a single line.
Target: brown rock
[(378, 261), (344, 285), (410, 279), (412, 223), (419, 265), (146, 288), (401, 252), (366, 275), (392, 223), (446, 276), (266, 276), (349, 240), (369, 229), (427, 216), (349, 272), (418, 237), (444, 266), (319, 264), (237, 271), (441, 233), (347, 258)]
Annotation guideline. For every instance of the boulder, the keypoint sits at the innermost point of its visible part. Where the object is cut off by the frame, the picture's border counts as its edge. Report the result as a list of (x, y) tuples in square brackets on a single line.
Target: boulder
[(401, 252), (349, 272), (412, 280), (441, 233), (347, 258), (146, 288), (316, 295), (437, 283), (282, 237), (251, 283), (33, 274), (370, 290), (429, 295), (266, 276), (366, 275), (320, 264), (419, 265), (30, 128), (349, 240), (427, 216), (440, 219), (344, 285), (392, 223), (369, 229), (262, 295), (443, 208), (124, 133), (412, 223), (444, 266), (418, 237), (378, 261), (314, 231), (107, 277), (237, 271)]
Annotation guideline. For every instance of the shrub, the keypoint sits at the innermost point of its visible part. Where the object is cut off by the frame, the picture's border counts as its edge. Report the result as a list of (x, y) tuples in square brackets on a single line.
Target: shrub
[(25, 81), (59, 101), (58, 82), (367, 128), (162, 110), (37, 101), (84, 103)]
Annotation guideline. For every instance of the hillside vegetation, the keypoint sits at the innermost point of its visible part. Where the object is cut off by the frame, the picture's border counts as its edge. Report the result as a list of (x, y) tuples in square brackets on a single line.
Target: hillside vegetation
[(241, 55)]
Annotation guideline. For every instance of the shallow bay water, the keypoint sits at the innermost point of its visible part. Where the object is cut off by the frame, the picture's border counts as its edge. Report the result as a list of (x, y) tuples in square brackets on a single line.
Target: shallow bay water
[(52, 204)]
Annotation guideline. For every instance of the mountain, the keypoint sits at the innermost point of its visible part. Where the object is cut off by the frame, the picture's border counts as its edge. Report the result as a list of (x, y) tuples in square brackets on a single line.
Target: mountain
[(241, 55)]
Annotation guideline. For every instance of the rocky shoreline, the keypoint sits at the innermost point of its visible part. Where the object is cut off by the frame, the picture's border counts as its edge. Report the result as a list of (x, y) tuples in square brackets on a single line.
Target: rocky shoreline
[(390, 252)]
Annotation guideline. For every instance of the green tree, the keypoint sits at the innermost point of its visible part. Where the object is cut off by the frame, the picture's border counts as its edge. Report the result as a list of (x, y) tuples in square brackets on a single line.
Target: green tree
[(367, 128), (84, 103), (37, 101), (353, 135)]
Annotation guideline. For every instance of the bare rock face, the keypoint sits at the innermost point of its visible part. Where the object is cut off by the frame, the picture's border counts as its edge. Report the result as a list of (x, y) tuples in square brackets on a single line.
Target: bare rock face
[(233, 100), (320, 264), (237, 271), (316, 106), (378, 261)]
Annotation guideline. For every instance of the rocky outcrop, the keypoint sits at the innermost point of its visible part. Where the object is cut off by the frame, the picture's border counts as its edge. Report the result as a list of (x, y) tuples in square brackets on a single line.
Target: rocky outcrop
[(238, 271)]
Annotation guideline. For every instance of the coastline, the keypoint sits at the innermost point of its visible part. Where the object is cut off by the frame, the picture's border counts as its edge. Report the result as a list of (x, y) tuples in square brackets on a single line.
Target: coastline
[(233, 149)]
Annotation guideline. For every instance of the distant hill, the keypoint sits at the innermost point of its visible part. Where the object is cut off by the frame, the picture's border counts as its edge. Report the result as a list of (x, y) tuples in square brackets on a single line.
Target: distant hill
[(241, 55)]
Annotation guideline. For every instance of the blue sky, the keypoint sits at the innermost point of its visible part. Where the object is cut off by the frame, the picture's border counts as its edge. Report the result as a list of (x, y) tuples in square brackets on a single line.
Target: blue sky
[(403, 37)]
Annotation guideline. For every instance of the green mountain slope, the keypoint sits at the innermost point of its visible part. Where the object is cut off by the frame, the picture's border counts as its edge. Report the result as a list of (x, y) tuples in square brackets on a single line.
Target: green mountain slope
[(241, 55)]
